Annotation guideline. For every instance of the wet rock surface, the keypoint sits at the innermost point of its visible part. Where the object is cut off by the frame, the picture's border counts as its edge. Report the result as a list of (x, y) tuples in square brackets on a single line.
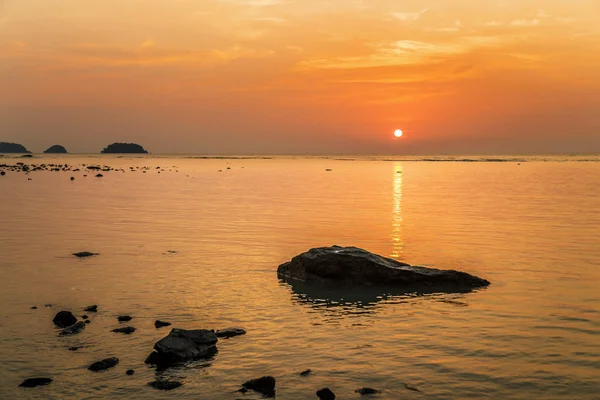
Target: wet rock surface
[(162, 384), (103, 365), (161, 324), (367, 390), (229, 332), (354, 266), (93, 308), (73, 329), (183, 345), (127, 330), (325, 394)]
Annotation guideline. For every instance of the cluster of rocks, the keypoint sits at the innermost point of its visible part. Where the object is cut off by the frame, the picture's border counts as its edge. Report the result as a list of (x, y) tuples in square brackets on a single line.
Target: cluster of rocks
[(114, 148), (94, 170)]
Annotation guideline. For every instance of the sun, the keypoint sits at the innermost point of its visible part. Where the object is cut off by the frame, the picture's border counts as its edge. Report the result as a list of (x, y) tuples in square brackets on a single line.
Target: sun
[(398, 133)]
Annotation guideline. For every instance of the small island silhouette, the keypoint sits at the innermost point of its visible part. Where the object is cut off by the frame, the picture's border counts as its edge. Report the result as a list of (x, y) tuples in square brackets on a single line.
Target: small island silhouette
[(6, 147), (56, 149), (124, 148)]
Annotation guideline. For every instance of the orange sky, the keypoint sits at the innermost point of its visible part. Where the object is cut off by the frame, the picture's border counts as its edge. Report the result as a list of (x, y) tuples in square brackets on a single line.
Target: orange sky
[(302, 76)]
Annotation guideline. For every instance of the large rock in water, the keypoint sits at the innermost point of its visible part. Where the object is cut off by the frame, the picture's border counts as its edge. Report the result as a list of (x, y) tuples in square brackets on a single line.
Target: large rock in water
[(182, 345), (351, 265), (64, 319), (56, 149), (124, 148)]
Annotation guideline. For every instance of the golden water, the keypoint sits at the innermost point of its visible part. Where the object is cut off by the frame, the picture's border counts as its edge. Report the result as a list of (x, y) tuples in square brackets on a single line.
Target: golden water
[(531, 229)]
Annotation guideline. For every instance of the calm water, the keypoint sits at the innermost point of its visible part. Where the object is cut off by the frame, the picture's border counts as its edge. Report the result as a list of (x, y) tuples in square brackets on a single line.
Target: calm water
[(531, 229)]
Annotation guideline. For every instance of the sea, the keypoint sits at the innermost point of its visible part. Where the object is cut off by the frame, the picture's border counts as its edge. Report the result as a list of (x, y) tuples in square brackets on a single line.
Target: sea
[(196, 241)]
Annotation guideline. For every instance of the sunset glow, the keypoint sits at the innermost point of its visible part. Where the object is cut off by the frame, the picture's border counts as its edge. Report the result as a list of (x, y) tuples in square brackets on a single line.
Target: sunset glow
[(275, 76)]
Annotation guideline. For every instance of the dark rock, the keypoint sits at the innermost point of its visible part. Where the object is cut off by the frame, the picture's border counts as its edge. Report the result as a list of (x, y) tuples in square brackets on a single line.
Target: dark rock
[(12, 148), (99, 175), (264, 385), (229, 332), (33, 382), (161, 384), (306, 373), (182, 345), (72, 178), (64, 319), (84, 317), (93, 308), (410, 387), (48, 305), (85, 254), (367, 390), (325, 394), (2, 173), (87, 321), (130, 372), (161, 324), (34, 308), (73, 329), (351, 265), (74, 348), (124, 318), (105, 364), (128, 330), (125, 148), (56, 149)]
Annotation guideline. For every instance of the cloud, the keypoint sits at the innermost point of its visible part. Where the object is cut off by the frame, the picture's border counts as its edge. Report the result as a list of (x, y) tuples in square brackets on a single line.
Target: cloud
[(407, 16), (526, 22)]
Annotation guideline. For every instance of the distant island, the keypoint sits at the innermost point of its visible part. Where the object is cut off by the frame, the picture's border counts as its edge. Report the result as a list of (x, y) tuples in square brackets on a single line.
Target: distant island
[(6, 147), (124, 148), (56, 149)]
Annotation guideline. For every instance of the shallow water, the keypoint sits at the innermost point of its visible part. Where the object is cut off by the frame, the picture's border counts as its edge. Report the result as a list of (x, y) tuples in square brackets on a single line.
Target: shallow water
[(531, 229)]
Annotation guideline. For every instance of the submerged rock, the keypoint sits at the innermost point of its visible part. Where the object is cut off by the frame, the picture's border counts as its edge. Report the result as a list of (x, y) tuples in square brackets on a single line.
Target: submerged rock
[(93, 308), (105, 364), (64, 319), (161, 384), (264, 385), (85, 254), (306, 372), (128, 330), (367, 390), (229, 332), (73, 329), (325, 394), (351, 265), (161, 324), (34, 382), (183, 345)]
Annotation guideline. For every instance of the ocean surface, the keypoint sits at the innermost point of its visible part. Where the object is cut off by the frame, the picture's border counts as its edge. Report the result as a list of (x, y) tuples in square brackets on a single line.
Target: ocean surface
[(196, 241)]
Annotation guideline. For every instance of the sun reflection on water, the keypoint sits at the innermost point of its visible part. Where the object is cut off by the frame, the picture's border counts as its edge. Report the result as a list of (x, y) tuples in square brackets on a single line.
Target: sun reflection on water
[(397, 241)]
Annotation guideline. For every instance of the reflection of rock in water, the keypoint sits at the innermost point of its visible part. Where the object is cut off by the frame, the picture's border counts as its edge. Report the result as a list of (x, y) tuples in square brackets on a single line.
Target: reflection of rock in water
[(354, 300)]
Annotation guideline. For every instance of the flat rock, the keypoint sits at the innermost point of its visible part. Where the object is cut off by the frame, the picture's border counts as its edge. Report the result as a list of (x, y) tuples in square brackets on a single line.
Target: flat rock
[(34, 382), (85, 254), (229, 332), (161, 384), (105, 364), (325, 394), (351, 265), (306, 372), (161, 324), (127, 330), (64, 319), (124, 318), (367, 390), (93, 308), (74, 329), (264, 385), (182, 345)]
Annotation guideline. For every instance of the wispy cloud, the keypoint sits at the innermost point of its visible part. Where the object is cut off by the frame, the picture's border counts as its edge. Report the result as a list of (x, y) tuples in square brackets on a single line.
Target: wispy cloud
[(409, 16)]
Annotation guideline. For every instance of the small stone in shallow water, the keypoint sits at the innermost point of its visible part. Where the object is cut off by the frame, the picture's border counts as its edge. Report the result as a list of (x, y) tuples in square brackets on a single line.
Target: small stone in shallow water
[(87, 321), (325, 394), (161, 384), (85, 254), (74, 348), (33, 382), (64, 319), (161, 324), (84, 317), (34, 308), (124, 318), (367, 390), (48, 305), (306, 373), (264, 385), (130, 372), (93, 308), (410, 387), (128, 330), (229, 332), (104, 364)]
